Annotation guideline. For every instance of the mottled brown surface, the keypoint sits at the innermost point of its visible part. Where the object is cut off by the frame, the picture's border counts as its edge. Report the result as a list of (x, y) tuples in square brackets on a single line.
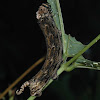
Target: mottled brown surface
[(54, 51)]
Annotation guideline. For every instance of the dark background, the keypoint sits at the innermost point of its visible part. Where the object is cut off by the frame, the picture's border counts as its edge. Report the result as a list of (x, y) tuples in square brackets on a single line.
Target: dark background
[(22, 43)]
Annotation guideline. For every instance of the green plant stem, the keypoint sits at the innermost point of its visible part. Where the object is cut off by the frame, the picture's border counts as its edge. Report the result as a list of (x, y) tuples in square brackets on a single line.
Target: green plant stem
[(31, 98)]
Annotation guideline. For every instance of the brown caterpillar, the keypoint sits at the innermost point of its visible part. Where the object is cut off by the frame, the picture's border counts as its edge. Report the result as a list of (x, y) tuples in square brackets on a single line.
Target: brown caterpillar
[(54, 52)]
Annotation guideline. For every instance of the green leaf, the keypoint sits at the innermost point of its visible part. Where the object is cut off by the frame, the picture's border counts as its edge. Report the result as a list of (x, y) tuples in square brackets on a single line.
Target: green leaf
[(72, 46), (54, 12)]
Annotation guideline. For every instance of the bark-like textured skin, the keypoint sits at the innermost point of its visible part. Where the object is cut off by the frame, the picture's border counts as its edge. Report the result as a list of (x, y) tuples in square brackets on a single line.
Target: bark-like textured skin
[(54, 52)]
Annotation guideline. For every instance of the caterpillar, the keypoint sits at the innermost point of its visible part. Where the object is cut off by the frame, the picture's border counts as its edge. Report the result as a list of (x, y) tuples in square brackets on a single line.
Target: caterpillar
[(54, 52)]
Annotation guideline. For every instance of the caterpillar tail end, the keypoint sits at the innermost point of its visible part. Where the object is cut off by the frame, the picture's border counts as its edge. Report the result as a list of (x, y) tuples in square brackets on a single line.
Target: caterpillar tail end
[(18, 92)]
